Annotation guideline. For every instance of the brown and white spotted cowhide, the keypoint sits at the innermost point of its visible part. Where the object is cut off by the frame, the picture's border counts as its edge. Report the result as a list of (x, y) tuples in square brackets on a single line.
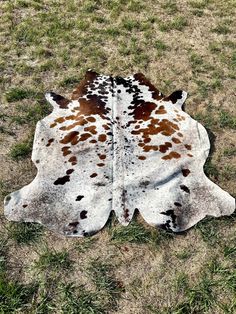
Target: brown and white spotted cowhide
[(118, 144)]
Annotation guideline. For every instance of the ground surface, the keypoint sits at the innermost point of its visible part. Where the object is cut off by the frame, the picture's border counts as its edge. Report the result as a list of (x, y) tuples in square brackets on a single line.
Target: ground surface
[(48, 45)]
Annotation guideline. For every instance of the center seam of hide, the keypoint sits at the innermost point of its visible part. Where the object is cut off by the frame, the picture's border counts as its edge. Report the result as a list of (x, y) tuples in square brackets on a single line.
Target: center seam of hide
[(118, 199)]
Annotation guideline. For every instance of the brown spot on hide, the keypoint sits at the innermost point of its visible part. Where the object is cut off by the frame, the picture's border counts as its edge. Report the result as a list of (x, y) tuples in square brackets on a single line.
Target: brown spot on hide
[(93, 175), (142, 157), (185, 172), (163, 148), (69, 171), (189, 147), (91, 119), (147, 148), (102, 157), (84, 136), (50, 142), (161, 110), (142, 110), (171, 155), (71, 137), (176, 140), (105, 126), (59, 120), (91, 129), (66, 151), (102, 137), (73, 160)]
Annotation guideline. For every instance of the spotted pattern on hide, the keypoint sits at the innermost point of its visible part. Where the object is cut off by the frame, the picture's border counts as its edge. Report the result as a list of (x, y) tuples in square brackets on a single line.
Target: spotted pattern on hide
[(118, 144)]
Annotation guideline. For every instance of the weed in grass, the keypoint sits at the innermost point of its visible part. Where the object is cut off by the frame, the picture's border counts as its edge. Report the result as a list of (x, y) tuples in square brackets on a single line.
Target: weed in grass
[(4, 189), (197, 299), (4, 130), (112, 31), (133, 233), (198, 13), (26, 33), (199, 4), (203, 88), (216, 84), (209, 231), (184, 255), (230, 251), (79, 300), (221, 29), (43, 52), (229, 152), (170, 7), (85, 244), (83, 25), (70, 82), (3, 248), (48, 65), (181, 283), (130, 25), (16, 94), (21, 150), (228, 172), (142, 59), (196, 62), (135, 6), (227, 120), (102, 274), (233, 60), (214, 267), (31, 114), (25, 232), (178, 23), (53, 260), (160, 46), (206, 119), (15, 296), (44, 301), (201, 297), (89, 6), (215, 47)]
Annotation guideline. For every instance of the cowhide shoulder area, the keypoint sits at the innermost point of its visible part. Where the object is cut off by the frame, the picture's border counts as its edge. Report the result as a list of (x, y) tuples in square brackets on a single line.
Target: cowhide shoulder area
[(118, 144)]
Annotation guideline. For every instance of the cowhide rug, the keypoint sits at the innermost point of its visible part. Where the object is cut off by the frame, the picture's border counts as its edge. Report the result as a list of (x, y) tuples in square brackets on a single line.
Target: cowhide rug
[(118, 144)]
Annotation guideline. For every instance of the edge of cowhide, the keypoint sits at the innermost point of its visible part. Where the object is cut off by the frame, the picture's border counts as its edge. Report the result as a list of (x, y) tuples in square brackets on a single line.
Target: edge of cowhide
[(118, 144)]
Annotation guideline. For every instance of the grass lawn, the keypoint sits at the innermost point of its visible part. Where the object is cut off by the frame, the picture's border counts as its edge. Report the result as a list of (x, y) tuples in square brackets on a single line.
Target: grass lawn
[(48, 45)]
